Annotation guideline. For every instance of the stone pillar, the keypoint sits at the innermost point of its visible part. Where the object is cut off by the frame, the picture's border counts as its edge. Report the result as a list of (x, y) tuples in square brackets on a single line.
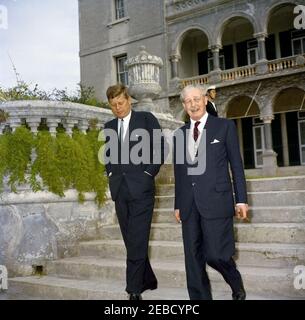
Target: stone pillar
[(261, 66), (284, 140), (215, 74), (174, 59), (269, 156), (34, 124), (144, 78), (52, 123)]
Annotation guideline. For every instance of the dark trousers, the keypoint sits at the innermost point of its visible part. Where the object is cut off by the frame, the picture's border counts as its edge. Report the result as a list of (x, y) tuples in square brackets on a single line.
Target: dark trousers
[(135, 217), (208, 241)]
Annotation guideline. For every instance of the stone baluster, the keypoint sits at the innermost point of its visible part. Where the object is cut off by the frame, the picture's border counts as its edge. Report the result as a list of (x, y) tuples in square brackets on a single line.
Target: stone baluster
[(14, 123), (83, 126), (69, 125), (34, 123), (52, 123)]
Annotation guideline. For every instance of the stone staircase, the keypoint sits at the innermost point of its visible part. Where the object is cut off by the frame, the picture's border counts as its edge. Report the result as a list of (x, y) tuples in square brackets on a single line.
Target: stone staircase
[(268, 249)]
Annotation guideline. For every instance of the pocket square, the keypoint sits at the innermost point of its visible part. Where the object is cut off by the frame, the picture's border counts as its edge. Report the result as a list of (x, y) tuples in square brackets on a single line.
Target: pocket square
[(215, 141)]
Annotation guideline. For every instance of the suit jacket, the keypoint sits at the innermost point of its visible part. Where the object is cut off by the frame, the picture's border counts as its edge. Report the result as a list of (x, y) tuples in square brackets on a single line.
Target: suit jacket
[(137, 180), (211, 190), (211, 110)]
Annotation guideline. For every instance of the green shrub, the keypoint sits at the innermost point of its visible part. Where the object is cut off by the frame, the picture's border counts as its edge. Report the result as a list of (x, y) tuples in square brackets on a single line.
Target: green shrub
[(60, 162)]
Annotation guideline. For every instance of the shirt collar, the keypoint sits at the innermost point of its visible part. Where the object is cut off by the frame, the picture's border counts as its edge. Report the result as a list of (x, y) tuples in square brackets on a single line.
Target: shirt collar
[(127, 118), (203, 120)]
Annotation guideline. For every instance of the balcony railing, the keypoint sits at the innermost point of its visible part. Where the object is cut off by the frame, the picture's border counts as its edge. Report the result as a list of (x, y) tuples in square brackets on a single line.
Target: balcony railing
[(272, 67), (195, 80), (282, 64), (238, 73)]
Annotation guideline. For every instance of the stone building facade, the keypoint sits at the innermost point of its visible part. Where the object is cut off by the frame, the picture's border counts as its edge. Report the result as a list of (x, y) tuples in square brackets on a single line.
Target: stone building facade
[(253, 51)]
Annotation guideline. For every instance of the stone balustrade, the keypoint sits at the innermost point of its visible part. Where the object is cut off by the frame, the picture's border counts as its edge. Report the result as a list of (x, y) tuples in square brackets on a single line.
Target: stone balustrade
[(286, 63), (53, 113), (241, 73), (238, 73), (195, 80)]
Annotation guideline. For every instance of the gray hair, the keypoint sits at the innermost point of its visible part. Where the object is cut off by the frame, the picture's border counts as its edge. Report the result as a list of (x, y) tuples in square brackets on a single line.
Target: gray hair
[(202, 88)]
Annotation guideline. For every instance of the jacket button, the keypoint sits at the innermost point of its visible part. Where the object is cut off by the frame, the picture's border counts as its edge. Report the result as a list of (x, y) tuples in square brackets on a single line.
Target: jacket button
[(193, 184)]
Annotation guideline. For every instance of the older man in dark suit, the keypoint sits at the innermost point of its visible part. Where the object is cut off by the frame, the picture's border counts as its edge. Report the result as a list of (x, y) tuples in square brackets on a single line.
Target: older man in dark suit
[(132, 186), (204, 201)]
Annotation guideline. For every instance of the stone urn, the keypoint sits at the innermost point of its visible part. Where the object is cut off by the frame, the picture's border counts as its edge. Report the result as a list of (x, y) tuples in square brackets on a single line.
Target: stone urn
[(144, 78)]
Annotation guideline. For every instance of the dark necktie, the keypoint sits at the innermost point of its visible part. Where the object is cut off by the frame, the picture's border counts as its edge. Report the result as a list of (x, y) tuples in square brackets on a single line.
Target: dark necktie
[(196, 131), (121, 130)]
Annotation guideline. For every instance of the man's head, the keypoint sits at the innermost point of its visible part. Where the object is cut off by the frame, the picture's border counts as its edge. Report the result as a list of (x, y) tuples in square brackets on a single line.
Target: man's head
[(194, 100), (119, 100), (211, 92)]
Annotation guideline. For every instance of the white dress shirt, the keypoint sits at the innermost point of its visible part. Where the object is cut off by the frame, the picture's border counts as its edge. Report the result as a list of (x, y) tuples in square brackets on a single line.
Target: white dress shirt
[(192, 144), (125, 123)]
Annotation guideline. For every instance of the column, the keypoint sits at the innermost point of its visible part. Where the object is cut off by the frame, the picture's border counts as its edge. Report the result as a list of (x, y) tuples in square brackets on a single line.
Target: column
[(174, 59), (215, 75), (262, 65), (269, 156), (215, 50), (284, 140)]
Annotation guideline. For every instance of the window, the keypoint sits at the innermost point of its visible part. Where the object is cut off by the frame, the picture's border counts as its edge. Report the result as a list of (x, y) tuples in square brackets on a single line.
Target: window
[(211, 61), (119, 9), (122, 73), (252, 52), (298, 42)]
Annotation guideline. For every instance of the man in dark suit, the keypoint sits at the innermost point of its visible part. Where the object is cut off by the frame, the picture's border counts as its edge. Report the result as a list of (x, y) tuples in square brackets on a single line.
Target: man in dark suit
[(132, 187), (211, 106), (203, 194)]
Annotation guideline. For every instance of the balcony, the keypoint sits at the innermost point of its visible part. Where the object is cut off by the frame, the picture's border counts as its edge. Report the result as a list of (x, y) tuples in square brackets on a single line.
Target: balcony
[(273, 68)]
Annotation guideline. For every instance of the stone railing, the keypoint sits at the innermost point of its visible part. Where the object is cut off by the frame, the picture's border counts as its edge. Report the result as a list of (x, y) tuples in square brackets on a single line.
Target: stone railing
[(203, 79), (53, 113), (238, 73), (285, 63)]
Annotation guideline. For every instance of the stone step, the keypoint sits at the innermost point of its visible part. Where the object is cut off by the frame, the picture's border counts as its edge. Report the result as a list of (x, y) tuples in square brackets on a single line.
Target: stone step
[(245, 232), (292, 214), (55, 288), (259, 199), (247, 254), (253, 185), (276, 184), (257, 280)]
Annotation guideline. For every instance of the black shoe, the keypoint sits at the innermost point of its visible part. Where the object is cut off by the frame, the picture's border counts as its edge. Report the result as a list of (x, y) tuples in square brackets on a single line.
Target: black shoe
[(135, 296), (240, 294)]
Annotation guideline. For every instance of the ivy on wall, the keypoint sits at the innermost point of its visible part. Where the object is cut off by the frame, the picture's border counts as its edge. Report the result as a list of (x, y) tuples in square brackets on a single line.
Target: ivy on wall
[(59, 163)]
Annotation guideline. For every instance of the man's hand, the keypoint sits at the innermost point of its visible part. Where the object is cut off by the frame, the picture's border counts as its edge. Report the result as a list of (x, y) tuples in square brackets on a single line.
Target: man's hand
[(177, 215), (241, 212)]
